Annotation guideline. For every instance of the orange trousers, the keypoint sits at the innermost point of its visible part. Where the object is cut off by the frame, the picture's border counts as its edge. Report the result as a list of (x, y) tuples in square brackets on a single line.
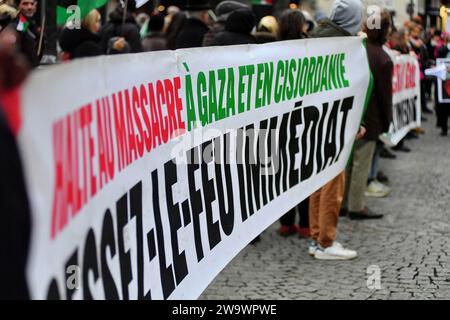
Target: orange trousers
[(324, 207)]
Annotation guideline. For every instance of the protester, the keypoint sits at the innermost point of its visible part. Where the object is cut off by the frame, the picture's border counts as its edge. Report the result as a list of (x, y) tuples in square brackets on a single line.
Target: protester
[(83, 42), (7, 15), (325, 204), (345, 20), (442, 109), (174, 28), (196, 25), (155, 40), (377, 119), (29, 31), (14, 206), (222, 12), (418, 46), (142, 20), (170, 13), (238, 28), (293, 26), (116, 28), (267, 30)]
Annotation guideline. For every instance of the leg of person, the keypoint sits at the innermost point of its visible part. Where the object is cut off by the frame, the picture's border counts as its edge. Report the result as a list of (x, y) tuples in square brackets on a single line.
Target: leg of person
[(445, 117), (375, 188), (303, 212), (288, 226), (331, 199), (362, 158), (314, 204), (348, 176), (375, 159)]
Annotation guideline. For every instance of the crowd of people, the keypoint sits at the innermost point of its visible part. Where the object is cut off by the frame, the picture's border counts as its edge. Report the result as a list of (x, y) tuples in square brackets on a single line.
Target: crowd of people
[(231, 23)]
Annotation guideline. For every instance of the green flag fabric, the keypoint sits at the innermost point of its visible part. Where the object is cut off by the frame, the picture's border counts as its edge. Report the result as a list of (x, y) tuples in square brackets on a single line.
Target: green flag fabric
[(86, 6)]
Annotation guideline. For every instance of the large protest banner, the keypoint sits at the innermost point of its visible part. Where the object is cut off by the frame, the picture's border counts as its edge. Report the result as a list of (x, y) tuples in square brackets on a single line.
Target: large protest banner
[(444, 85), (406, 112), (148, 173)]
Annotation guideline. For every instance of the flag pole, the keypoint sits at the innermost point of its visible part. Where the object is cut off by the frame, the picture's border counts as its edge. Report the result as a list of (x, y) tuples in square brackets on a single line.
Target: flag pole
[(41, 36)]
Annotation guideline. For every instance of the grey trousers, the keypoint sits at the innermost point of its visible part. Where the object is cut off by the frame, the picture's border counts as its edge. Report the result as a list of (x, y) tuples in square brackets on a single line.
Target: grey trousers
[(358, 173)]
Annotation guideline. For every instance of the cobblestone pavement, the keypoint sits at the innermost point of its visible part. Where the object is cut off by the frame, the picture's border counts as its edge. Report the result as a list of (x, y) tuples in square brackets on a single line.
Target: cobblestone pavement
[(410, 245)]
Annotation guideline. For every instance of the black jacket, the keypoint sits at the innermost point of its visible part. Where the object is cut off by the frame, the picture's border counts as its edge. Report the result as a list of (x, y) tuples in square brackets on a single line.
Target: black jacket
[(80, 43), (237, 29), (155, 41), (28, 41), (15, 218), (113, 28), (191, 34)]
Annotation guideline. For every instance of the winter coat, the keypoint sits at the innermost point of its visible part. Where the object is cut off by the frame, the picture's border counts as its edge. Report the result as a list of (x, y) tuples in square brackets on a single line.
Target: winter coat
[(155, 41), (80, 43), (129, 31), (237, 29), (378, 116), (191, 34), (28, 41)]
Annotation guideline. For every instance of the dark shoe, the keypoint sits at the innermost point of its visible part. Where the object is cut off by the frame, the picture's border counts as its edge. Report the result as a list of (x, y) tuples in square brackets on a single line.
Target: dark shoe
[(423, 119), (304, 233), (385, 153), (364, 215), (401, 148), (256, 240), (381, 177), (427, 111), (286, 231), (343, 212), (444, 133)]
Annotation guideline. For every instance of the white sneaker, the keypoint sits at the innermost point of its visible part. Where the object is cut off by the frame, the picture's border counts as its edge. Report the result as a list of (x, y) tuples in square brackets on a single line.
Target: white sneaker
[(335, 252), (377, 190), (312, 248)]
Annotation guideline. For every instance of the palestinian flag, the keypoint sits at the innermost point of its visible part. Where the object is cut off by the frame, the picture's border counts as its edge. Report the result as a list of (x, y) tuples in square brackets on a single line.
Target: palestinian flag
[(22, 25), (85, 6)]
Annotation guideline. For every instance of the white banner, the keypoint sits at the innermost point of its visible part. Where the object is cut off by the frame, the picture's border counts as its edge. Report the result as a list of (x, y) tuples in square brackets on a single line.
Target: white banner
[(444, 85), (254, 130), (406, 110)]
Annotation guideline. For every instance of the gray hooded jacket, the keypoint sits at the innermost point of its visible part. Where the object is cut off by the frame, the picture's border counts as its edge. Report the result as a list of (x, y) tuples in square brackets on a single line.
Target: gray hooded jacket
[(348, 14)]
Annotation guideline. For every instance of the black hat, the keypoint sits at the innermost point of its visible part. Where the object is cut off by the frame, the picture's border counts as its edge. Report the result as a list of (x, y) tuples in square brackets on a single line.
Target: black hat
[(197, 5), (225, 8)]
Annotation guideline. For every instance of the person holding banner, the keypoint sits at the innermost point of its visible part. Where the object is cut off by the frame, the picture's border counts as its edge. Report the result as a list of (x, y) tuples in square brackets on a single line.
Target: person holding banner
[(325, 204), (293, 26), (14, 206), (377, 119)]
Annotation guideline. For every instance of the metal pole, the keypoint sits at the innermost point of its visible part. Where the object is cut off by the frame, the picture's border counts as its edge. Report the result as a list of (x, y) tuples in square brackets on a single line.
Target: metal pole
[(50, 31)]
